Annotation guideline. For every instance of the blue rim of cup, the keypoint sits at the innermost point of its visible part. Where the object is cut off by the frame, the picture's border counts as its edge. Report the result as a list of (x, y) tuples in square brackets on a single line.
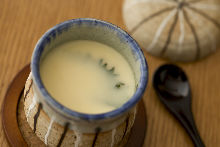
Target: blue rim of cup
[(52, 102)]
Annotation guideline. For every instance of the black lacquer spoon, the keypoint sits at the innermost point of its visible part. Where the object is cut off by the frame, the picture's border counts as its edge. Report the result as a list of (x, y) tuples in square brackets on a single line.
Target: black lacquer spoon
[(173, 89)]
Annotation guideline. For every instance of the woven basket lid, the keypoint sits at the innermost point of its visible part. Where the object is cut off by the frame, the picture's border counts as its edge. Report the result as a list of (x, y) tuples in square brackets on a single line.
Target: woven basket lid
[(180, 30)]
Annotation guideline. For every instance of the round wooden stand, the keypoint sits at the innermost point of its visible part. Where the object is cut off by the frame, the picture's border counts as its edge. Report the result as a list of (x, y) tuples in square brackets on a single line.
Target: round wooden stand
[(18, 131)]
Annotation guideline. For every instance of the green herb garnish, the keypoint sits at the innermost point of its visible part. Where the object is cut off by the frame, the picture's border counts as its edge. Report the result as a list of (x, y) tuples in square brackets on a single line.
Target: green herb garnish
[(100, 61), (111, 71), (105, 66), (119, 84)]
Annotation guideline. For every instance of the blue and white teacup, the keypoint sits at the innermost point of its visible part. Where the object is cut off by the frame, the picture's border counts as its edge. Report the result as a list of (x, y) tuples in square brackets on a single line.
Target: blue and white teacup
[(58, 125)]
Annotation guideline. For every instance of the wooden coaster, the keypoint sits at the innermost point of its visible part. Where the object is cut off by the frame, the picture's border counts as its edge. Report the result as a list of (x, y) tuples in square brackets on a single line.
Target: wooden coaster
[(18, 131)]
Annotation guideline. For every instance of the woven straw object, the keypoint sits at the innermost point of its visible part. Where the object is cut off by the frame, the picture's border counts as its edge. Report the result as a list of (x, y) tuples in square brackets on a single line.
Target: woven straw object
[(180, 30)]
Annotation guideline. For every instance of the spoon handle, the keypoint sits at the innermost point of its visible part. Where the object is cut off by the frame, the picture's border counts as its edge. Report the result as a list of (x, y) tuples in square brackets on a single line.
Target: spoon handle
[(187, 121)]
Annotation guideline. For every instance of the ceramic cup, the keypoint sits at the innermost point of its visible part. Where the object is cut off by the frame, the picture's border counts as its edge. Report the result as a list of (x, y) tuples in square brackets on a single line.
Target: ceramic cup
[(58, 125)]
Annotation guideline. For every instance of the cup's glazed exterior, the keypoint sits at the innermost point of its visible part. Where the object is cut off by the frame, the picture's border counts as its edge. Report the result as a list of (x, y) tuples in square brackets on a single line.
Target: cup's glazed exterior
[(86, 29)]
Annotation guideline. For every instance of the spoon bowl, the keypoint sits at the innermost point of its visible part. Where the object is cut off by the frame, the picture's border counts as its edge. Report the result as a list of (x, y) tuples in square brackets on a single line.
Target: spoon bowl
[(173, 89), (171, 82)]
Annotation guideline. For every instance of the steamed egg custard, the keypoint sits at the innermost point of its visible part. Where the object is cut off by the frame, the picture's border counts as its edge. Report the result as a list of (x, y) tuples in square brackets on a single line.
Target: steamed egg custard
[(87, 76)]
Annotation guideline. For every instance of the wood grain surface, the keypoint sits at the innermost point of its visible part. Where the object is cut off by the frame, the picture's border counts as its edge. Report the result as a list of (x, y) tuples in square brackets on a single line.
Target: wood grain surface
[(23, 22)]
